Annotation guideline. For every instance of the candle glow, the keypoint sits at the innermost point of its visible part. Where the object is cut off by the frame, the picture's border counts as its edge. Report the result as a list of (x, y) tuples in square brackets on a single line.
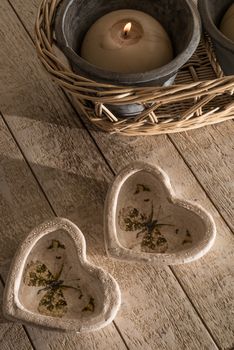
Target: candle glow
[(127, 29), (127, 41)]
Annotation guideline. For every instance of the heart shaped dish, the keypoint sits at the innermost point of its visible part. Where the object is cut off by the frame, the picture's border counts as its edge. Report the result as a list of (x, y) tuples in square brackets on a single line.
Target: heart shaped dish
[(144, 221), (51, 284)]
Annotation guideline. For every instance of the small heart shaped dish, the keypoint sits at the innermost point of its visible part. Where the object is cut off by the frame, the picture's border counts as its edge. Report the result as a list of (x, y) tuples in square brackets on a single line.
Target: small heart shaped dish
[(145, 222), (51, 284)]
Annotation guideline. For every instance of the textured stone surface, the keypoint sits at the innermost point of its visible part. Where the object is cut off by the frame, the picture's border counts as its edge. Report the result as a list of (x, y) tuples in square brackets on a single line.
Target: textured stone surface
[(144, 221), (76, 296)]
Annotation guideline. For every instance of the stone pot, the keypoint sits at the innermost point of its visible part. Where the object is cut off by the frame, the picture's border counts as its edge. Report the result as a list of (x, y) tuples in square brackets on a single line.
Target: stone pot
[(180, 19), (212, 12), (52, 285), (146, 222)]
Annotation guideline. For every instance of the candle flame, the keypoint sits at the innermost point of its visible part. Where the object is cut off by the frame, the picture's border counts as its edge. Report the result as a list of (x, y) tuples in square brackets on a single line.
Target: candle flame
[(127, 28)]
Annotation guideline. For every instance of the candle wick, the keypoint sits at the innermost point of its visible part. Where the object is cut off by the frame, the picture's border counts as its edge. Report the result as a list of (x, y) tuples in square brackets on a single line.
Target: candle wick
[(127, 29)]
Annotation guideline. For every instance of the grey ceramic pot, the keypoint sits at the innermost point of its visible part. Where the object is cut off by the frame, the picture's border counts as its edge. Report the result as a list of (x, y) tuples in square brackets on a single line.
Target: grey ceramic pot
[(180, 18), (212, 12)]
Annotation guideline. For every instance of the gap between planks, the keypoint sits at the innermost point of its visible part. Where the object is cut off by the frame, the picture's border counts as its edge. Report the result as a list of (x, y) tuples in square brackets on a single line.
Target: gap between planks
[(201, 185), (170, 138), (54, 212), (113, 171), (2, 285)]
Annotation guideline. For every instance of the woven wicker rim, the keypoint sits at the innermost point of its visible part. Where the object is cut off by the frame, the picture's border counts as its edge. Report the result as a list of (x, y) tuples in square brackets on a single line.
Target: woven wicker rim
[(154, 98)]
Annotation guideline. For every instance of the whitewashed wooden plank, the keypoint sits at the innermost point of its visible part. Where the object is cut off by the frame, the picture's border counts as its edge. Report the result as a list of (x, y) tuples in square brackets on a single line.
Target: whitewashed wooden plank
[(214, 272), (76, 179), (46, 340), (209, 157), (21, 201), (168, 322), (12, 336), (43, 339), (209, 153), (22, 206), (2, 319)]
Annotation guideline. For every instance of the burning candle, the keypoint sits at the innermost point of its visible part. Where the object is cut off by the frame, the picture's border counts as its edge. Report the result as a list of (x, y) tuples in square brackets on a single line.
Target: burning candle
[(127, 41), (227, 23)]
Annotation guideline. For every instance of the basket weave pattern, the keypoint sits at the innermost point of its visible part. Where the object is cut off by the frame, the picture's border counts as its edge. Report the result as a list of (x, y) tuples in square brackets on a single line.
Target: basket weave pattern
[(201, 94)]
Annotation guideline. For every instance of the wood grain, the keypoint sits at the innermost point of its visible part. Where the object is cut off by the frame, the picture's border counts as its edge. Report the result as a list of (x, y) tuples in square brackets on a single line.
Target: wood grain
[(214, 272), (46, 340), (209, 153), (170, 321), (12, 334), (21, 201), (22, 206), (208, 157), (155, 313)]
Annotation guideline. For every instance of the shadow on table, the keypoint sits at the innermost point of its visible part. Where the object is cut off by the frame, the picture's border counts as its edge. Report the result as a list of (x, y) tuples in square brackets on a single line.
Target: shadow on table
[(31, 101), (23, 205)]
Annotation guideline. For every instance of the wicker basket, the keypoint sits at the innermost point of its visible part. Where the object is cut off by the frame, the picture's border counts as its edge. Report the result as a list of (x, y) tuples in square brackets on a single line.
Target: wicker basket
[(201, 95)]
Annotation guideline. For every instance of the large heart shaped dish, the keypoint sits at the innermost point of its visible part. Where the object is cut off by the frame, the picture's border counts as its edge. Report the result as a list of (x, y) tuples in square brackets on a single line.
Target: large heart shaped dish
[(144, 221), (51, 284)]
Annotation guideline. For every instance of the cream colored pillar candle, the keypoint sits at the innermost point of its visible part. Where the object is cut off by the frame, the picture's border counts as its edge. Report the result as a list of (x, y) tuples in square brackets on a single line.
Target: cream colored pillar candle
[(127, 41), (227, 23)]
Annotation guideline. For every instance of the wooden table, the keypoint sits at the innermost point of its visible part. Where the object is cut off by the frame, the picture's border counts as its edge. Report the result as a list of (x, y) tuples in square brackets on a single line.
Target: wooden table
[(53, 163)]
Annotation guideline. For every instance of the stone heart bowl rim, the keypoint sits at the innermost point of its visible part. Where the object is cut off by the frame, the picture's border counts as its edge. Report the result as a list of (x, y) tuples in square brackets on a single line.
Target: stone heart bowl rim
[(114, 248), (12, 308)]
